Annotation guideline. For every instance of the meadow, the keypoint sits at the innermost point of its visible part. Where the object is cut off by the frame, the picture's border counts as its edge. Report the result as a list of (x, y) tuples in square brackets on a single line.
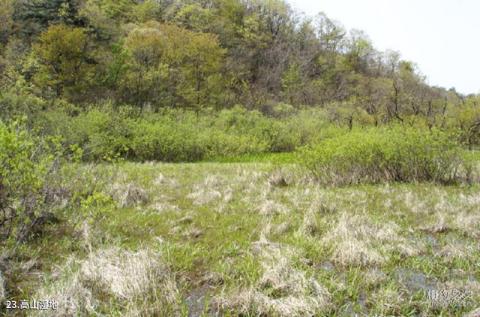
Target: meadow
[(255, 239)]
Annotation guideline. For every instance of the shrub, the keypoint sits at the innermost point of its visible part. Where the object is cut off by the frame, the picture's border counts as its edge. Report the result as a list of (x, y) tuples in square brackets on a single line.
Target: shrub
[(14, 104), (27, 168), (174, 135), (396, 153), (166, 140), (220, 144)]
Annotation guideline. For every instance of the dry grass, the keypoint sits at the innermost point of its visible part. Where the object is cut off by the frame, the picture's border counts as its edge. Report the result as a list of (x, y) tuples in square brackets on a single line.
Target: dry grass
[(162, 180), (351, 240), (129, 195), (282, 290), (271, 207), (457, 249), (356, 240), (469, 223), (138, 282), (210, 190), (161, 207), (310, 223)]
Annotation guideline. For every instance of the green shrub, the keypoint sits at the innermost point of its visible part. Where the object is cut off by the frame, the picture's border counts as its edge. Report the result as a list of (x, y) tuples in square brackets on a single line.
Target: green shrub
[(396, 153), (166, 140), (174, 135), (27, 168), (221, 144), (15, 104)]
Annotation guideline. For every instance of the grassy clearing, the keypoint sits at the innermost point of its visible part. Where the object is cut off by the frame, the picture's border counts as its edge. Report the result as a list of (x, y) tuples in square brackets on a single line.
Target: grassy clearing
[(258, 239)]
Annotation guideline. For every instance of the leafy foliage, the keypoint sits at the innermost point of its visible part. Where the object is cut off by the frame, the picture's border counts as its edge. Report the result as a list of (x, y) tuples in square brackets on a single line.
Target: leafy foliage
[(389, 154), (27, 168), (64, 64), (184, 54), (173, 64)]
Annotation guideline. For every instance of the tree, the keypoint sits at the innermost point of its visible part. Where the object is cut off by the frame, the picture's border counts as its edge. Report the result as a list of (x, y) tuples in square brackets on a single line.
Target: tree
[(65, 67), (147, 10), (34, 16), (292, 83), (330, 34), (194, 17), (171, 66), (98, 21), (119, 10), (359, 50), (6, 19)]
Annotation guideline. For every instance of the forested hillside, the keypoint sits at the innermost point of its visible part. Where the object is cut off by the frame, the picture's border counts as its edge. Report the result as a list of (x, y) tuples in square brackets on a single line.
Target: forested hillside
[(329, 178), (204, 54)]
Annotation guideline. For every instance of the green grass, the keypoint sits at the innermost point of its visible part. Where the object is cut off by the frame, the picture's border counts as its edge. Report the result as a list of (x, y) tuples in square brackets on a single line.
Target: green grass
[(211, 216), (275, 158)]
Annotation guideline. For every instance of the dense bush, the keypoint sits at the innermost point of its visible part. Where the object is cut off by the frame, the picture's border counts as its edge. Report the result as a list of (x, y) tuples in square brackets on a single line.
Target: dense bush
[(165, 140), (27, 167), (396, 153), (179, 135)]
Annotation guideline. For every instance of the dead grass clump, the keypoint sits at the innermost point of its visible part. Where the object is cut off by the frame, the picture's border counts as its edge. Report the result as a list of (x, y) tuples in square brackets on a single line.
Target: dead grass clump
[(282, 228), (412, 201), (129, 195), (321, 207), (210, 190), (279, 178), (204, 196), (440, 226), (355, 240), (457, 249), (468, 223), (138, 281), (282, 290), (162, 180), (74, 298), (228, 195), (310, 224), (271, 207), (375, 276), (164, 206), (193, 233)]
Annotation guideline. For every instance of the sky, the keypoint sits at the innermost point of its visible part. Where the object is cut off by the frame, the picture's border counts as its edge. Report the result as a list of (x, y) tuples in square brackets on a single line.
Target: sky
[(440, 36)]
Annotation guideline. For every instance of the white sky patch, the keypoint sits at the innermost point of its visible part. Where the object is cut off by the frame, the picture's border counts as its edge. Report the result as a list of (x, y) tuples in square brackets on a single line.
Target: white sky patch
[(440, 36)]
